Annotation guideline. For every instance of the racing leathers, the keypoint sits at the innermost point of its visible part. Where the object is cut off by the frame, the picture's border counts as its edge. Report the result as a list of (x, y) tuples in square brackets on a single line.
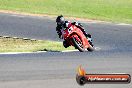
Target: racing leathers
[(65, 25)]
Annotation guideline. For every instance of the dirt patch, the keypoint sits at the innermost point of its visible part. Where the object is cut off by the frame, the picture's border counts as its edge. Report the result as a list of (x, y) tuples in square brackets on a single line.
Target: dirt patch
[(51, 16)]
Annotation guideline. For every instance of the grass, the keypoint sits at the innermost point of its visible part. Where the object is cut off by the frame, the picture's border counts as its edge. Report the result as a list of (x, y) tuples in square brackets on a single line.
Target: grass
[(20, 45), (107, 10)]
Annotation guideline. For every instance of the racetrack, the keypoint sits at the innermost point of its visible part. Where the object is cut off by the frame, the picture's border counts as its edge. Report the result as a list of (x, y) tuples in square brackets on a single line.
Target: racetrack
[(58, 69)]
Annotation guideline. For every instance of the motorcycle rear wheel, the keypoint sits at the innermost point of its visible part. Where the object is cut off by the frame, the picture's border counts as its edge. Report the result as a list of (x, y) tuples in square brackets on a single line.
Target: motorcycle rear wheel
[(90, 48)]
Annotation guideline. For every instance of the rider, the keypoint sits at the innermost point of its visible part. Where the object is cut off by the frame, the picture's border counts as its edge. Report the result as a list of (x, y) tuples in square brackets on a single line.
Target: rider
[(62, 24)]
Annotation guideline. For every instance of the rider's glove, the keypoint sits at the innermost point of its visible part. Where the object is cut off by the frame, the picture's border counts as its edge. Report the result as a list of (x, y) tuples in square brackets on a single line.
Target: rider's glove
[(77, 24)]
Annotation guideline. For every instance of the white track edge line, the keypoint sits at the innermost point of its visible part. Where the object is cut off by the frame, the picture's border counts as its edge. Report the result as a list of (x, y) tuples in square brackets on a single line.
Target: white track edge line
[(8, 53)]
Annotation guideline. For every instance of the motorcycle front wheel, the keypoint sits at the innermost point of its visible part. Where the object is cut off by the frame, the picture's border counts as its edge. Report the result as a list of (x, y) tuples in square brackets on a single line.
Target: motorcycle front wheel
[(78, 45)]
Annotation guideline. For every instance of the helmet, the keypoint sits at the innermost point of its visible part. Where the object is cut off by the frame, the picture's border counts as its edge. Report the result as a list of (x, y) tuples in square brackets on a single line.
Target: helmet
[(60, 20)]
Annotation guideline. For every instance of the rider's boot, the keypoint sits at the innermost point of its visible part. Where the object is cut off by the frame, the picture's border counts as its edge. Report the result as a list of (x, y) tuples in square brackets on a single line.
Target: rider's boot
[(88, 36)]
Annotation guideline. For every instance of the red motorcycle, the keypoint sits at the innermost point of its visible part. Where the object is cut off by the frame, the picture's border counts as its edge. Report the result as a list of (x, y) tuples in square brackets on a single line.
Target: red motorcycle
[(75, 37)]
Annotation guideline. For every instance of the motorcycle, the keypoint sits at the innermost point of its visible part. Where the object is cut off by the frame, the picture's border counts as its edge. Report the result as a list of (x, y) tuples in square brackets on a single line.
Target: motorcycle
[(75, 37)]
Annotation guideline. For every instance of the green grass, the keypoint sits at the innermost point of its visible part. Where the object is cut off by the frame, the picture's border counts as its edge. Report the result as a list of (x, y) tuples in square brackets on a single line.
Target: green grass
[(20, 45), (108, 10)]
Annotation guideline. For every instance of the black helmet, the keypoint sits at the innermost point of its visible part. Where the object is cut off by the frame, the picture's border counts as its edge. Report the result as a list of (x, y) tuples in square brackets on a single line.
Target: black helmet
[(60, 20)]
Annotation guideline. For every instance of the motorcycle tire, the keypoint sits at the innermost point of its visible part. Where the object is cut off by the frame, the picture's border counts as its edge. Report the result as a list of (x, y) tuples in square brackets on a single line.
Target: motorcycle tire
[(76, 45), (91, 48)]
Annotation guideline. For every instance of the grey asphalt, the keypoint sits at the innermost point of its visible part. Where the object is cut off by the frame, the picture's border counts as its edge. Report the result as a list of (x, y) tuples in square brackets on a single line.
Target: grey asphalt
[(58, 69)]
